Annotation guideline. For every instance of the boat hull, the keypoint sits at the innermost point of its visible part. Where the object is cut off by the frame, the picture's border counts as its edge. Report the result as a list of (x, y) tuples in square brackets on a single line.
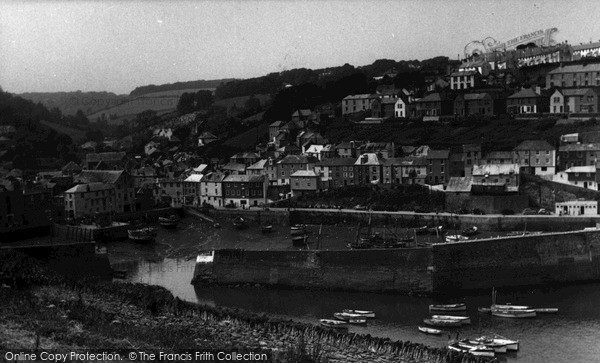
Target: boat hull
[(449, 307), (334, 324), (514, 314), (361, 313), (465, 320), (431, 331), (442, 323)]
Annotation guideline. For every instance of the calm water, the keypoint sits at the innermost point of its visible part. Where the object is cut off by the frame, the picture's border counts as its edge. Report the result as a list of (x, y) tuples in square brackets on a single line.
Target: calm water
[(572, 335)]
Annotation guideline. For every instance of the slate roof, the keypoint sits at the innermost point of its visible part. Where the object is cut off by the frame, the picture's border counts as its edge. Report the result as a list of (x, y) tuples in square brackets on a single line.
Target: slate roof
[(495, 169), (304, 173), (259, 165), (90, 187), (459, 184), (586, 46), (574, 68), (99, 176), (534, 145), (107, 156), (369, 159), (580, 147), (438, 154), (244, 178), (582, 169), (525, 93)]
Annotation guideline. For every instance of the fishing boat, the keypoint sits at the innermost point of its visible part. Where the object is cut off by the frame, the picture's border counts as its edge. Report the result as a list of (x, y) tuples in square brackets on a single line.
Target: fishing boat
[(512, 345), (350, 318), (472, 344), (334, 324), (426, 330), (448, 307), (362, 313), (456, 238), (510, 307), (513, 313), (142, 235), (266, 229), (441, 322), (471, 231), (239, 223), (546, 310), (298, 229), (168, 222), (300, 241), (465, 320), (479, 351)]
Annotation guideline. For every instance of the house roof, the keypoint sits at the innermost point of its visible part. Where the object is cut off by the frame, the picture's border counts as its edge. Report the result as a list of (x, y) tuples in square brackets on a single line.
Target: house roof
[(525, 93), (580, 147), (314, 149), (99, 176), (369, 159), (582, 169), (234, 167), (302, 112), (194, 178), (389, 100), (534, 145), (89, 187), (304, 173), (360, 96), (475, 96), (471, 147), (259, 165), (71, 166), (344, 145), (575, 91), (207, 135), (214, 177), (276, 124), (574, 68), (432, 97), (586, 46), (459, 184), (495, 169), (296, 159), (438, 154)]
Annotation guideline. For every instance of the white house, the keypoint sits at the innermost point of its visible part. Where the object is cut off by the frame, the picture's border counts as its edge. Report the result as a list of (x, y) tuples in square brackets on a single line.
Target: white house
[(577, 208)]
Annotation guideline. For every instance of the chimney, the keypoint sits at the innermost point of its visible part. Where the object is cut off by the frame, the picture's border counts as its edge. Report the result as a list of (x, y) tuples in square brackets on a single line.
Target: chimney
[(538, 90)]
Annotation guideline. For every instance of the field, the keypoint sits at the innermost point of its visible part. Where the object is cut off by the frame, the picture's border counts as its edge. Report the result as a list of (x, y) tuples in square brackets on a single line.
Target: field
[(160, 102), (239, 102), (78, 136)]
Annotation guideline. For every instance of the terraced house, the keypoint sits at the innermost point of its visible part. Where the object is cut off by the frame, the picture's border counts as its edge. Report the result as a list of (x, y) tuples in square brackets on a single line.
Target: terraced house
[(535, 157), (245, 190), (120, 180)]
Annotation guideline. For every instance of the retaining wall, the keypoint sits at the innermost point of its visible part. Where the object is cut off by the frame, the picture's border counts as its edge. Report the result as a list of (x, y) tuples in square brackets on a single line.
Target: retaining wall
[(369, 270), (512, 261)]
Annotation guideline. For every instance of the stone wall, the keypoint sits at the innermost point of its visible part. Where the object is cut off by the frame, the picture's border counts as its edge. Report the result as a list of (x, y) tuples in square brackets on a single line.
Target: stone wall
[(517, 261), (367, 270)]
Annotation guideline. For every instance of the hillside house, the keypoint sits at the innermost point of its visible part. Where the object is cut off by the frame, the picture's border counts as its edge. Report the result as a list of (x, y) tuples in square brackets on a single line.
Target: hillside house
[(576, 154), (469, 104), (211, 189), (206, 138), (357, 103), (574, 75), (245, 190), (465, 80), (91, 199), (535, 157), (369, 167), (120, 180), (304, 182), (495, 178), (434, 105), (528, 100), (336, 172), (438, 167)]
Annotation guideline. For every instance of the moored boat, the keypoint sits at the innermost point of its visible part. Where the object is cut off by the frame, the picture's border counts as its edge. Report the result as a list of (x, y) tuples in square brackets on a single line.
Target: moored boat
[(363, 313), (298, 229), (471, 231), (350, 318), (514, 313), (239, 223), (456, 238), (142, 235), (426, 330), (480, 351), (462, 319), (168, 222), (441, 322), (266, 229), (334, 324), (510, 307), (448, 307), (512, 345), (497, 348)]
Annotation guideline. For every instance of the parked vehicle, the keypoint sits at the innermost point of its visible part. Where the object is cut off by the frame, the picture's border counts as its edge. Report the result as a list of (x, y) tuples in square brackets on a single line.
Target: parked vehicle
[(529, 211)]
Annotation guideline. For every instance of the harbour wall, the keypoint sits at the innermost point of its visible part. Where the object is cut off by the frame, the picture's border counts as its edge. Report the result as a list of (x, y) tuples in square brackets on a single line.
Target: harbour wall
[(548, 258), (549, 223), (367, 270), (481, 264)]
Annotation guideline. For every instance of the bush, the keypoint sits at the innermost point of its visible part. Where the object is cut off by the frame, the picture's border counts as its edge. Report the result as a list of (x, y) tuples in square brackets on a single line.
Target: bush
[(507, 212)]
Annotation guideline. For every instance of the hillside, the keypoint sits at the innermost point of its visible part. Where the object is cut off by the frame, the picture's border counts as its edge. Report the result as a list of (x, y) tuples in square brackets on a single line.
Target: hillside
[(201, 84), (161, 102), (69, 102), (78, 136), (500, 134)]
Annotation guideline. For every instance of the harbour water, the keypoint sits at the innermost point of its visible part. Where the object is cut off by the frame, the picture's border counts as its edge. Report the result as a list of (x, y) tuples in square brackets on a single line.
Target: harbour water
[(572, 335)]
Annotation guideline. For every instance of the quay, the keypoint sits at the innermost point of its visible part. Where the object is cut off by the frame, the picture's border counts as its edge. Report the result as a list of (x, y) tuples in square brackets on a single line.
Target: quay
[(525, 260)]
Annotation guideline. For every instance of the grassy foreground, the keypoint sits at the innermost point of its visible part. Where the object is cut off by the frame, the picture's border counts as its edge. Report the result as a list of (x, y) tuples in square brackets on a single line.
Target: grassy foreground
[(41, 311)]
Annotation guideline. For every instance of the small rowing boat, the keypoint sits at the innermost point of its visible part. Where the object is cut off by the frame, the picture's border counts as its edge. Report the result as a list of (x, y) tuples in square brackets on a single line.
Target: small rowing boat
[(510, 307), (512, 345), (471, 231), (448, 307), (462, 319), (513, 313), (442, 322), (456, 238), (472, 344), (168, 222), (350, 318), (480, 351), (334, 324), (362, 313), (239, 223), (426, 330), (267, 229)]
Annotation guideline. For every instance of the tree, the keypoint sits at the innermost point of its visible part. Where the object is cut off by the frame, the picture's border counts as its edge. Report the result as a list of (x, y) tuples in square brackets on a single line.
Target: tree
[(204, 99), (186, 103)]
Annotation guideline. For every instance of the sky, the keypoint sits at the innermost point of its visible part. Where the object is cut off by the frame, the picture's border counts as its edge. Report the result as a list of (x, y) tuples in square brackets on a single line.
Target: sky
[(52, 46)]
